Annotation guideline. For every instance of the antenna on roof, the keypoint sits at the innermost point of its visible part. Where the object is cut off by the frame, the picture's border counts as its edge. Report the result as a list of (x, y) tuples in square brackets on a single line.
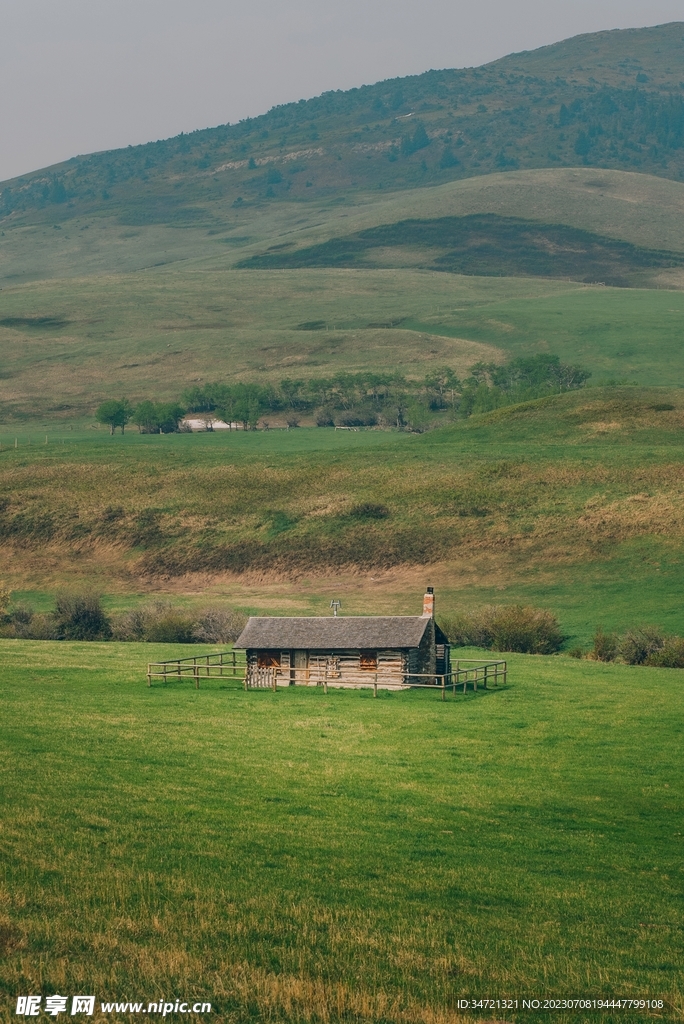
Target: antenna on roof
[(335, 605)]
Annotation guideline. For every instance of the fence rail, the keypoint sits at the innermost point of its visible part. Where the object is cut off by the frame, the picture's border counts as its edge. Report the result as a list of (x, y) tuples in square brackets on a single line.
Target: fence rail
[(227, 665), (223, 665), (467, 672)]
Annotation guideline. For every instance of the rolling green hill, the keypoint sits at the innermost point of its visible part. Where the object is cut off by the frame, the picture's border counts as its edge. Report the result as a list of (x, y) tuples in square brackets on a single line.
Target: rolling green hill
[(121, 272), (571, 502), (169, 282), (611, 99)]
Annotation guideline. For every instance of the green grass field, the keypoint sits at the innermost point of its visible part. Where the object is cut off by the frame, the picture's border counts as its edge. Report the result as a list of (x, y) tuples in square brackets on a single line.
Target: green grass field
[(302, 858), (571, 503), (100, 310)]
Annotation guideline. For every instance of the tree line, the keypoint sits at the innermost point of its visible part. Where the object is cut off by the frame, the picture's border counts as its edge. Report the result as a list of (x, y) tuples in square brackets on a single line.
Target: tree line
[(356, 399)]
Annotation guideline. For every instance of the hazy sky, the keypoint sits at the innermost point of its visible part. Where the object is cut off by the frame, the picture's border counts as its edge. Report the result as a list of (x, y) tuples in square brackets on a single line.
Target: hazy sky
[(83, 75)]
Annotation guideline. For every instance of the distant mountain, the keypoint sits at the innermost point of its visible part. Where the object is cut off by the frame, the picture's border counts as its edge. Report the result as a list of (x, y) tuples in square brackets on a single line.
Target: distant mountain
[(609, 99)]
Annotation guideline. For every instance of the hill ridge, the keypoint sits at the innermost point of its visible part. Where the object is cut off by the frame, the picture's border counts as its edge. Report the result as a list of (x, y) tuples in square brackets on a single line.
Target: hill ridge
[(612, 99)]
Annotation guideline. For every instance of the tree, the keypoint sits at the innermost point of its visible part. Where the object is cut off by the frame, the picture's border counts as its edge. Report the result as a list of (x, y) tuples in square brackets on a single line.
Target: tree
[(114, 413), (441, 385), (145, 417), (158, 417), (169, 415), (412, 143), (583, 144)]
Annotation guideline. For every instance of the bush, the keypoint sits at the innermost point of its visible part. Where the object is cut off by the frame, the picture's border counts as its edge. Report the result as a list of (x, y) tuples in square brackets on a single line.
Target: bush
[(670, 655), (162, 623), (81, 617), (506, 628), (22, 623), (158, 623), (171, 628), (324, 418), (218, 626), (41, 627), (605, 645), (130, 626), (637, 645), (20, 615), (359, 417)]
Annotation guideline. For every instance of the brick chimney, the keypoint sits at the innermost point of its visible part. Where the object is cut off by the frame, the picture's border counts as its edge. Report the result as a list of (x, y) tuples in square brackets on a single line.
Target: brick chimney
[(429, 604)]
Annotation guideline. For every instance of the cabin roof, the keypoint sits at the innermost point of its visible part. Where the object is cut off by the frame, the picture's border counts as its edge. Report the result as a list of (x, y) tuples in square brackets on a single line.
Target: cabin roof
[(371, 632)]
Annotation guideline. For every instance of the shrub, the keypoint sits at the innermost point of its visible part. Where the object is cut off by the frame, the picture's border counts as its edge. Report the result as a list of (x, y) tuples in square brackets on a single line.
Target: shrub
[(576, 652), (324, 418), (218, 626), (670, 655), (81, 617), (130, 626), (158, 623), (637, 645), (43, 627), (605, 645), (359, 417), (20, 615), (506, 628), (162, 623), (171, 628), (22, 623), (5, 595)]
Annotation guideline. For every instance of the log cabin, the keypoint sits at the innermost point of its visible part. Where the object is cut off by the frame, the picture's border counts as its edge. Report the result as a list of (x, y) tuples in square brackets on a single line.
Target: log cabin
[(344, 650)]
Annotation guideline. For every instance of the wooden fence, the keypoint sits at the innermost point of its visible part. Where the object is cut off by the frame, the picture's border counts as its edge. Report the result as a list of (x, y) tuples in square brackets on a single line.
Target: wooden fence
[(467, 673), (227, 665), (224, 665)]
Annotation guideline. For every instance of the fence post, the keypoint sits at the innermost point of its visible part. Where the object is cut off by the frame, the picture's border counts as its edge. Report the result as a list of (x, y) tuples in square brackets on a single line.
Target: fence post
[(196, 674), (505, 665), (486, 675), (375, 685), (275, 680), (443, 687), (149, 675)]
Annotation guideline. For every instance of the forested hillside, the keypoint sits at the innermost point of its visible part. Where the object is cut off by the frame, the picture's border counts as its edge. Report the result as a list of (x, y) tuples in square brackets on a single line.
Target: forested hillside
[(611, 99)]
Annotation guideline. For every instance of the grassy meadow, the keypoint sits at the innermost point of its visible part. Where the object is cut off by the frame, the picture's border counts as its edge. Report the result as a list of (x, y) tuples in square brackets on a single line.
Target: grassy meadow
[(99, 309), (297, 857), (99, 338), (572, 503)]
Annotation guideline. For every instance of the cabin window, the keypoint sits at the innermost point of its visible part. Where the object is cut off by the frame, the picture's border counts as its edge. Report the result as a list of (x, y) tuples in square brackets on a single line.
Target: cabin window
[(268, 659), (368, 661)]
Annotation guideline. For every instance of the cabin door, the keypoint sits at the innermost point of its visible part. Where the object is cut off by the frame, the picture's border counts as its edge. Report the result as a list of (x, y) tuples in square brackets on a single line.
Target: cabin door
[(301, 668)]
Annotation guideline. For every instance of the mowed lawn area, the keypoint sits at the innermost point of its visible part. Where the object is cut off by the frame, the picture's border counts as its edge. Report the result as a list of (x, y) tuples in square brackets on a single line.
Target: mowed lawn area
[(293, 856)]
